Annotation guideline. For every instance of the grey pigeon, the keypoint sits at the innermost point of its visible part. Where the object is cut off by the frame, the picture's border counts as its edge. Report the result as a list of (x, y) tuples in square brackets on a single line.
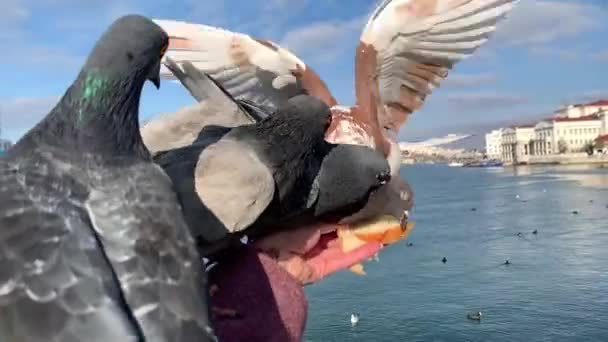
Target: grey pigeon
[(279, 169), (93, 243)]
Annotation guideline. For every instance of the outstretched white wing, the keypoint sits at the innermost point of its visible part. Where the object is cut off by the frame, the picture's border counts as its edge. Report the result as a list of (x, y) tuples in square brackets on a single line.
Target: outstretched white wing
[(248, 68), (408, 47)]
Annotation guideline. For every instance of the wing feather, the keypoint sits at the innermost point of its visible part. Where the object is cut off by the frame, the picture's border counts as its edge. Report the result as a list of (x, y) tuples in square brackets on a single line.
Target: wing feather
[(152, 252), (55, 283), (234, 184), (248, 68), (416, 43)]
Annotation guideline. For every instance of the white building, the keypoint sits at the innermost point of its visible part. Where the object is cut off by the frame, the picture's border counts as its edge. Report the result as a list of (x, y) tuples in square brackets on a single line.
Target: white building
[(494, 144), (516, 143), (570, 130), (563, 135)]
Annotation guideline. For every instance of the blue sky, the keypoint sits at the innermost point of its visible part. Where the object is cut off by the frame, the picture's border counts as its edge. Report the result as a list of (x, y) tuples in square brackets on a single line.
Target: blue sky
[(548, 52)]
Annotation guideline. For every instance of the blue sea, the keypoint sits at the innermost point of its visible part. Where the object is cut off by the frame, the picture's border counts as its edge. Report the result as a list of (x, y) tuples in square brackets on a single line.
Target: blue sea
[(555, 289)]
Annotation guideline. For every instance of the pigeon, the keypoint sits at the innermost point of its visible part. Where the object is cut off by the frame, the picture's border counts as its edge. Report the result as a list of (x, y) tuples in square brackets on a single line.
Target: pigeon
[(93, 243), (405, 50), (252, 178)]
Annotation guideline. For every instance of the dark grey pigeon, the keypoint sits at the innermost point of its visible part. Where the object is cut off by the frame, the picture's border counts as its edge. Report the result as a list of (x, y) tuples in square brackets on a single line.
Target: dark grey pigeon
[(277, 170), (93, 243)]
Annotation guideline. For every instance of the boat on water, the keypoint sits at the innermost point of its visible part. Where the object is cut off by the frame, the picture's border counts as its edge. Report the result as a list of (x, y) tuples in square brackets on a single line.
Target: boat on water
[(486, 163), (455, 164)]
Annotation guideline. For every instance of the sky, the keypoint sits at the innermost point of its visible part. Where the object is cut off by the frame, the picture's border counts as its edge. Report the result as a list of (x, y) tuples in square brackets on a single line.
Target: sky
[(545, 54)]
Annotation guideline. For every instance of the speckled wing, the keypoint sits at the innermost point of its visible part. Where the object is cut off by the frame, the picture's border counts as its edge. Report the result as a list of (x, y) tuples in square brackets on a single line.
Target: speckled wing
[(55, 283), (248, 68), (408, 47), (139, 222)]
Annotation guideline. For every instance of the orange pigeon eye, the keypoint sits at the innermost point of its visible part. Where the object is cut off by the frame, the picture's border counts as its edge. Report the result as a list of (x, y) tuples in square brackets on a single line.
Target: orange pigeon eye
[(163, 50)]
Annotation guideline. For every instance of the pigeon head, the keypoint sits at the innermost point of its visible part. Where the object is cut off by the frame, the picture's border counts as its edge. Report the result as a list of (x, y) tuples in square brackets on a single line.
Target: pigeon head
[(349, 174), (294, 133), (132, 46), (100, 111)]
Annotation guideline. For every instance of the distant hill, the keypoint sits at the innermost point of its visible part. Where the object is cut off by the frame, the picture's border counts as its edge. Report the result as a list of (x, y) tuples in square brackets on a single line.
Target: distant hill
[(475, 133), (441, 141), (476, 141)]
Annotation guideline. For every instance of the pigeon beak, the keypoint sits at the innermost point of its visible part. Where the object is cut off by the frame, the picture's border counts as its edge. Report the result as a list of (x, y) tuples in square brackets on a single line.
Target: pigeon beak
[(154, 76)]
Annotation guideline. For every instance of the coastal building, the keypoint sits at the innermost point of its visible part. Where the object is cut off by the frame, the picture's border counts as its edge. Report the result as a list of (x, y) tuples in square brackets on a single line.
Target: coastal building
[(516, 143), (571, 129), (567, 134), (494, 144)]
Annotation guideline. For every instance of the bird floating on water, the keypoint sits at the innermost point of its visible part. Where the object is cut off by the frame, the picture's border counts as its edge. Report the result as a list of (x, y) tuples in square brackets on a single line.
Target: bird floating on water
[(354, 319), (444, 260), (475, 316)]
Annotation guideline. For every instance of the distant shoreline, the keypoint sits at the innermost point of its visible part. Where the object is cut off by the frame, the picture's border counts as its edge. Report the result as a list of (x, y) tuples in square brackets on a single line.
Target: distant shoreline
[(563, 160)]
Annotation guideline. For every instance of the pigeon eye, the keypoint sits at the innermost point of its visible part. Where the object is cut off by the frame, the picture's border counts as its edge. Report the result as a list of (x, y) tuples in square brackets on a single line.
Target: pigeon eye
[(163, 50)]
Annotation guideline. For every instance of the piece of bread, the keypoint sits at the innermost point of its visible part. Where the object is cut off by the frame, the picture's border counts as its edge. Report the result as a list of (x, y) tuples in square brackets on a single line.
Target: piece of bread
[(383, 229)]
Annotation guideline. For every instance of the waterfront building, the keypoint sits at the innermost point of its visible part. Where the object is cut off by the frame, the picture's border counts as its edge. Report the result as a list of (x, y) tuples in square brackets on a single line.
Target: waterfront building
[(516, 143), (494, 144), (569, 130)]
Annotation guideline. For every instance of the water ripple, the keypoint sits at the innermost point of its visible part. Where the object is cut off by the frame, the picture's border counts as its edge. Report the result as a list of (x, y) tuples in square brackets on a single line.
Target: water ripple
[(556, 288)]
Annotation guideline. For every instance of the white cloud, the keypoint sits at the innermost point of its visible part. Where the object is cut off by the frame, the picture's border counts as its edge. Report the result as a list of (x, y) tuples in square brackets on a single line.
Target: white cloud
[(590, 96), (324, 41), (565, 54), (601, 56), (571, 54), (22, 113), (469, 80), (535, 22), (484, 100), (31, 55), (13, 12)]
